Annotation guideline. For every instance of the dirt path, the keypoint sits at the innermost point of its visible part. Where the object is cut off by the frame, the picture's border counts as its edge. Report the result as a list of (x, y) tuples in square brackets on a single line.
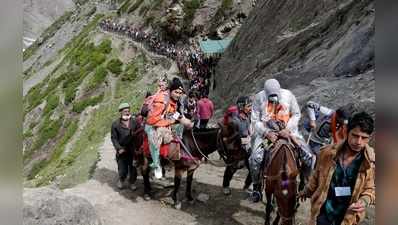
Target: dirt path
[(117, 207)]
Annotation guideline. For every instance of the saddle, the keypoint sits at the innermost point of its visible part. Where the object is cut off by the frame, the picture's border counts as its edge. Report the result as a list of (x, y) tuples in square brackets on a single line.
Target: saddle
[(171, 151)]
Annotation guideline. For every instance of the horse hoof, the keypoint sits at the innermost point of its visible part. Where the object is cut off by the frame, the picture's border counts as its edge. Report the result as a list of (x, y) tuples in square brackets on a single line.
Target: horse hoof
[(147, 197), (177, 205), (226, 191)]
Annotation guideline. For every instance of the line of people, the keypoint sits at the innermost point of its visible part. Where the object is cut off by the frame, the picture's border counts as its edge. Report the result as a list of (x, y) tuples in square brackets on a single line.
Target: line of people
[(191, 62)]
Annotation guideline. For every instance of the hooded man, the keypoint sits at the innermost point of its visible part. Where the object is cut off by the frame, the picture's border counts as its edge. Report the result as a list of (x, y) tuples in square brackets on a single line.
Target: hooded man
[(274, 103), (163, 114), (122, 139)]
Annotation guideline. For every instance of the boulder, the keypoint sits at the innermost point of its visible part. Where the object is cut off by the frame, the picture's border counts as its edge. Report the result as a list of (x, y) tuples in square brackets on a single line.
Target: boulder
[(51, 206)]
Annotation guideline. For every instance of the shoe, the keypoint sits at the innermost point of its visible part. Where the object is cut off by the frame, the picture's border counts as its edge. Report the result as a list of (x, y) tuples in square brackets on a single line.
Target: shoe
[(226, 191), (158, 172), (256, 196), (119, 184), (133, 187)]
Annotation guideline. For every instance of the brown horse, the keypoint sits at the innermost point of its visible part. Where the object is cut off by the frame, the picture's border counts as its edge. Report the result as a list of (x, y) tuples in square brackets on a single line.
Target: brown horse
[(196, 144), (280, 178)]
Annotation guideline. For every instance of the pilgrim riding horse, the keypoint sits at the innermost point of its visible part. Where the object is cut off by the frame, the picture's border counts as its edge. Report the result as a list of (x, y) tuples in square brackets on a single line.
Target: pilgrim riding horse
[(280, 171), (195, 145)]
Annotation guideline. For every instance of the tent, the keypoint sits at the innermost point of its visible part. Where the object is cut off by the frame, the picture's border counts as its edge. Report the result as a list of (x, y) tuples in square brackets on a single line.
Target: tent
[(213, 47)]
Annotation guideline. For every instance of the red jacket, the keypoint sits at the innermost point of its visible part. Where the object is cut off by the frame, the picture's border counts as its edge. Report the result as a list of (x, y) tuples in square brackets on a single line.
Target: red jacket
[(205, 109)]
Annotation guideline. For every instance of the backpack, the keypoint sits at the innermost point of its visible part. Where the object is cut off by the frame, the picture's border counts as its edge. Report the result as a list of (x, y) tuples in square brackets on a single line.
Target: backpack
[(148, 104)]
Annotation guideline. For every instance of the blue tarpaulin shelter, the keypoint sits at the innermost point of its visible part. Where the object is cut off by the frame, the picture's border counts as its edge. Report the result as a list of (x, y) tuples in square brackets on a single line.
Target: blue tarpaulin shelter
[(211, 47)]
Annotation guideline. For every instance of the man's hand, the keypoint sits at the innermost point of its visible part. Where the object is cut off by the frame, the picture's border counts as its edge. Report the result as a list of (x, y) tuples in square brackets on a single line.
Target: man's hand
[(272, 136), (312, 124), (357, 207), (285, 133), (121, 151)]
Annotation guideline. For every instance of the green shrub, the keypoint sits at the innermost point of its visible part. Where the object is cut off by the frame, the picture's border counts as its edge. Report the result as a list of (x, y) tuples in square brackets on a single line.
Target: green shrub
[(48, 130), (115, 66), (27, 134), (70, 129), (105, 46), (130, 73), (98, 78), (81, 105), (52, 103)]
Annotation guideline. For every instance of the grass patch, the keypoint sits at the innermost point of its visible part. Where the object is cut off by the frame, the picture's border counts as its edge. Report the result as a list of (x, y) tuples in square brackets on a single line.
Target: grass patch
[(81, 105), (77, 166), (48, 130), (52, 103), (124, 7), (28, 134), (44, 169), (47, 34), (130, 73), (105, 46), (97, 79), (135, 6), (115, 66)]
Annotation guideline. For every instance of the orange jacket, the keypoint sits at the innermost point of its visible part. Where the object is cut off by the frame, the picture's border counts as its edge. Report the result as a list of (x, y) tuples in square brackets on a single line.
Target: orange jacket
[(157, 116)]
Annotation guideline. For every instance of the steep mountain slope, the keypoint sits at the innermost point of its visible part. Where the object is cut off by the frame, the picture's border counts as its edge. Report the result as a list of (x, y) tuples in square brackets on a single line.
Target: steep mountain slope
[(321, 50), (40, 14), (75, 75)]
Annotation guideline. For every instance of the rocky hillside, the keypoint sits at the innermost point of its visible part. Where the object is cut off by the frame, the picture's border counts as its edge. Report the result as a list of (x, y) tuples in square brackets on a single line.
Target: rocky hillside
[(321, 50), (40, 14), (75, 75)]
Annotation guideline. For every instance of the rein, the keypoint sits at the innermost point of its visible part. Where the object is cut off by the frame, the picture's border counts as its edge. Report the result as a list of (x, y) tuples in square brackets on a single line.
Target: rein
[(200, 152)]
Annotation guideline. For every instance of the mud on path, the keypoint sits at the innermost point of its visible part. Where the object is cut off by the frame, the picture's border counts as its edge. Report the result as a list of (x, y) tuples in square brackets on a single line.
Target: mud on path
[(126, 207)]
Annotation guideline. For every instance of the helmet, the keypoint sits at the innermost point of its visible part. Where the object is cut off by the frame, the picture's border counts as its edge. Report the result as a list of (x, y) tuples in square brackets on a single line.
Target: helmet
[(242, 101), (123, 105)]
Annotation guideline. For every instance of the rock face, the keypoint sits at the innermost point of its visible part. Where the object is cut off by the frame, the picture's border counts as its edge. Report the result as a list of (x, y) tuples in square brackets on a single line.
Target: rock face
[(39, 14), (50, 206), (314, 48)]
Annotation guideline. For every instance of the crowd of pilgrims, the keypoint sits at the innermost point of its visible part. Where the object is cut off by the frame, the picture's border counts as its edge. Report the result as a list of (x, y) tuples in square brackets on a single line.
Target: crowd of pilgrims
[(191, 62)]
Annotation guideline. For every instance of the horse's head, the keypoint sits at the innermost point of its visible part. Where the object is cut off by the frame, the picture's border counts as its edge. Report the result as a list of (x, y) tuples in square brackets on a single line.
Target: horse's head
[(283, 160)]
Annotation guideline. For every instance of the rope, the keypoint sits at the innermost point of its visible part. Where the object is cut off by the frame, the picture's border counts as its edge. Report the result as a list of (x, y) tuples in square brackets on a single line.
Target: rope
[(197, 147)]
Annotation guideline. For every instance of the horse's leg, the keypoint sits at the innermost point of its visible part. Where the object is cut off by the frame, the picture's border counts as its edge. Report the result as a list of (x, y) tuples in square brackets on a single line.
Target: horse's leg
[(188, 193), (277, 218), (147, 184), (177, 183), (268, 208)]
